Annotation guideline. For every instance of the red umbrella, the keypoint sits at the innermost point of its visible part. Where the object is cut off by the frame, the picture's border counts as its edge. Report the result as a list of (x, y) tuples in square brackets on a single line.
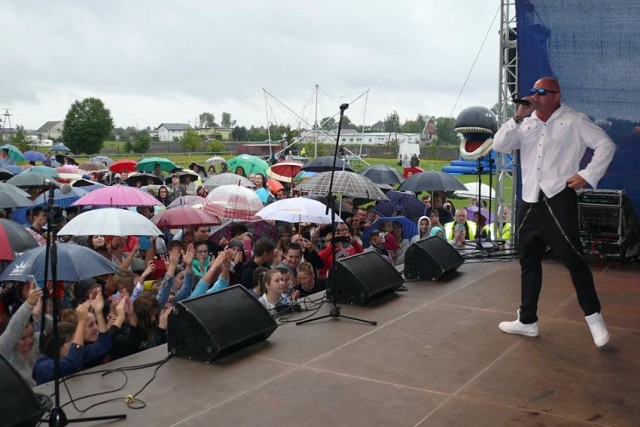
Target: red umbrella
[(117, 195), (184, 217), (123, 165), (274, 186), (284, 171), (14, 238)]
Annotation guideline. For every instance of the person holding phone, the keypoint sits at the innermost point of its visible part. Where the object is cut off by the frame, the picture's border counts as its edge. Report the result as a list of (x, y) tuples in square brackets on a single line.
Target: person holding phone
[(460, 229)]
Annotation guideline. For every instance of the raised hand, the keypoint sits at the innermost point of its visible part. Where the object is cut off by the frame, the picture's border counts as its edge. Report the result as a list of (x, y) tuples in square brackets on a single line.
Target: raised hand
[(189, 254), (35, 294)]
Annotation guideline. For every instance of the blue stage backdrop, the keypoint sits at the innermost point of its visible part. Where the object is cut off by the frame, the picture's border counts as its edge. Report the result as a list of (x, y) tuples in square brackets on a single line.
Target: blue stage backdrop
[(593, 48)]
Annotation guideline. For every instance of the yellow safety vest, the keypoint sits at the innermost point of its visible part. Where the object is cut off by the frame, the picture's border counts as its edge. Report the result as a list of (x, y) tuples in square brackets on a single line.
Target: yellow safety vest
[(448, 229)]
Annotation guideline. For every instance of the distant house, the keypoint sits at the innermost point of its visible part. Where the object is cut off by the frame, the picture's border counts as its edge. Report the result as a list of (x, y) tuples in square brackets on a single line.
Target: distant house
[(169, 131), (225, 134), (378, 127), (51, 130)]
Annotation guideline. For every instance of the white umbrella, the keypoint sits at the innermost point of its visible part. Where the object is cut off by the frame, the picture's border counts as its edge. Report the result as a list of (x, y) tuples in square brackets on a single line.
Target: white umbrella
[(110, 222), (471, 192), (297, 209), (233, 201), (215, 161)]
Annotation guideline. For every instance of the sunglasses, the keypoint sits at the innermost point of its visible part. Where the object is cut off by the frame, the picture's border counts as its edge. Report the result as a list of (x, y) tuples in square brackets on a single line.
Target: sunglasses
[(542, 92)]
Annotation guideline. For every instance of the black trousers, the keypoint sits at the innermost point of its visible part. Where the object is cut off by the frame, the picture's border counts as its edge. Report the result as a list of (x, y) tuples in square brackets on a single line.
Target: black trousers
[(552, 222)]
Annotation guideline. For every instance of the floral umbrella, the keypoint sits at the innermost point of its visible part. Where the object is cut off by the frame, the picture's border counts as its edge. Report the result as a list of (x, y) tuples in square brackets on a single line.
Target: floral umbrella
[(233, 201)]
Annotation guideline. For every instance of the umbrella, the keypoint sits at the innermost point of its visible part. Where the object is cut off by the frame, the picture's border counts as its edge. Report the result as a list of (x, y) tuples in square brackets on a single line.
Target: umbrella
[(87, 185), (61, 199), (13, 189), (14, 152), (284, 171), (184, 217), (74, 263), (250, 164), (14, 238), (145, 178), (258, 229), (400, 203), (297, 209), (182, 174), (346, 183), (227, 179), (67, 169), (471, 191), (472, 210), (44, 170), (123, 165), (64, 159), (325, 164), (215, 161), (14, 169), (117, 195), (431, 181), (409, 228), (274, 186), (5, 174), (101, 159), (28, 180), (148, 164), (92, 167), (110, 222), (185, 201), (60, 148), (10, 199), (34, 156), (382, 174), (338, 206), (233, 201)]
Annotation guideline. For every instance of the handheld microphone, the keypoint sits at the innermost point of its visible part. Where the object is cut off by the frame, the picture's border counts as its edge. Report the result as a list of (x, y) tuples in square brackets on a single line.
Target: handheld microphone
[(64, 188), (521, 101), (344, 106)]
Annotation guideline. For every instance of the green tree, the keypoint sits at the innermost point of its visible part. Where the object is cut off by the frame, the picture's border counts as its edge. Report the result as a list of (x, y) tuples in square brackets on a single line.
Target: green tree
[(86, 126), (226, 120), (328, 123), (207, 120), (444, 130), (216, 146), (19, 139), (191, 141), (142, 142), (415, 126), (392, 123), (240, 133), (128, 146)]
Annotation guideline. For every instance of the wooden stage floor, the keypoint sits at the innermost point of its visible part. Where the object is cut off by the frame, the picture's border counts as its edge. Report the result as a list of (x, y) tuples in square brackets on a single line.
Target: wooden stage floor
[(436, 358)]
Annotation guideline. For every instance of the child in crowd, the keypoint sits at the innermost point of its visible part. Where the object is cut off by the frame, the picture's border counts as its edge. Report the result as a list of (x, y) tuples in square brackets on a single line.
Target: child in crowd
[(273, 290)]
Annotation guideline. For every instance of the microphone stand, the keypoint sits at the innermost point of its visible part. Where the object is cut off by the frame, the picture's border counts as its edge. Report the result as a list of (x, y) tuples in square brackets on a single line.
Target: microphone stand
[(57, 417), (332, 284)]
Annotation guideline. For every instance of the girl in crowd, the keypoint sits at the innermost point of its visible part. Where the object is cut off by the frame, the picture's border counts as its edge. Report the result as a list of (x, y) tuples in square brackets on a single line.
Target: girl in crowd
[(424, 225), (273, 290), (240, 171), (397, 234), (261, 181), (202, 260), (163, 196), (211, 171)]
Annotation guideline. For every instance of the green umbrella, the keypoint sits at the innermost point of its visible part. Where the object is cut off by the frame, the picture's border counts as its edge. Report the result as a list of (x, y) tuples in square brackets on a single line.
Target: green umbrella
[(250, 164), (28, 180), (14, 153), (148, 164), (44, 170)]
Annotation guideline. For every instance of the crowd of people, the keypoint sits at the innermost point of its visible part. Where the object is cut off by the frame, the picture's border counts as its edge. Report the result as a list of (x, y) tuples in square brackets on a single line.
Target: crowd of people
[(106, 318)]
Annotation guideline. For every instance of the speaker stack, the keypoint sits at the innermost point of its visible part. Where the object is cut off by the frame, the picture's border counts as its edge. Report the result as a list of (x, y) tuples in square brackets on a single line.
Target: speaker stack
[(18, 404), (430, 259), (215, 325), (362, 278)]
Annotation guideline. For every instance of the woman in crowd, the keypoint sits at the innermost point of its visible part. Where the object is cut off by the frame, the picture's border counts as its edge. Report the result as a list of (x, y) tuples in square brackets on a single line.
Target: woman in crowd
[(19, 341), (265, 195), (424, 226), (163, 196), (273, 290), (239, 171)]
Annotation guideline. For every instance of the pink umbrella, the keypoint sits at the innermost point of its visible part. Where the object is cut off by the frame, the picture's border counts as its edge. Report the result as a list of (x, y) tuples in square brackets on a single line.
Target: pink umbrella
[(187, 200), (233, 201), (184, 217), (117, 195), (67, 169)]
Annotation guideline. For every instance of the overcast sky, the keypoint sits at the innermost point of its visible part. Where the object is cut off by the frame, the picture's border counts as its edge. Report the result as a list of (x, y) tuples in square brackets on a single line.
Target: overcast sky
[(160, 61)]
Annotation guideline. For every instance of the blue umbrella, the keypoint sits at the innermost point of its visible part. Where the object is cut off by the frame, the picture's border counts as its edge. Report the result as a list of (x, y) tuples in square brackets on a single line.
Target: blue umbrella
[(409, 228), (14, 169), (400, 203), (34, 156), (61, 148), (74, 263), (61, 199), (101, 159)]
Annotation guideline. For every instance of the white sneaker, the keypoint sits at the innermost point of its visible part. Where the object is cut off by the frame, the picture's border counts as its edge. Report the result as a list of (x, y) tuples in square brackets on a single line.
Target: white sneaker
[(519, 328), (598, 329)]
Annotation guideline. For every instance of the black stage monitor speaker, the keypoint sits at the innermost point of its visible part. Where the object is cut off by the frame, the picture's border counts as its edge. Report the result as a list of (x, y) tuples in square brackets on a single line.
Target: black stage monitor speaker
[(430, 258), (18, 404), (358, 279), (215, 325)]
